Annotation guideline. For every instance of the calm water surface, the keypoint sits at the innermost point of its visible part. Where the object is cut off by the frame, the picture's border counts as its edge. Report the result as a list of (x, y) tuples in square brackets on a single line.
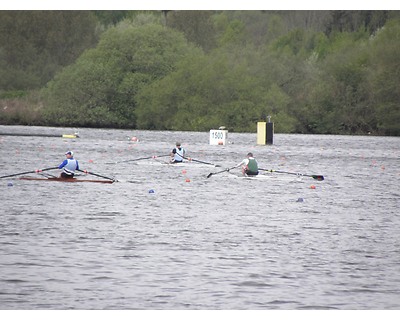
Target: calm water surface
[(167, 237)]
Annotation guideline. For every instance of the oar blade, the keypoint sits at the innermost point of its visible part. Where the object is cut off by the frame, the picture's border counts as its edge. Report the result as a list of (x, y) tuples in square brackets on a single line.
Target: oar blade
[(314, 176), (226, 170)]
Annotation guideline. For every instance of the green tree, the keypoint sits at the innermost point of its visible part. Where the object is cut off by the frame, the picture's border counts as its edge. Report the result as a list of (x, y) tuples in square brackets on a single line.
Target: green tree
[(384, 75), (340, 100), (206, 91), (354, 21), (197, 26), (34, 45), (312, 71), (99, 89), (112, 17)]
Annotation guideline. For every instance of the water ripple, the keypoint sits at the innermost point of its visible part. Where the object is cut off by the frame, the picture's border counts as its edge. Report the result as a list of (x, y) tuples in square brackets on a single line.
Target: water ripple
[(219, 243)]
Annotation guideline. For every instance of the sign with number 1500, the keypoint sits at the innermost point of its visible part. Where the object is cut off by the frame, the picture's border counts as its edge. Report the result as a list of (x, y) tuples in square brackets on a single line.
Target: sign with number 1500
[(218, 137)]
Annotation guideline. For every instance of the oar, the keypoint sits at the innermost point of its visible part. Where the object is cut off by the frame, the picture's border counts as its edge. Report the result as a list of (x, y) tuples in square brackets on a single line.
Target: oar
[(199, 161), (97, 175), (314, 176), (138, 159), (27, 172), (213, 173)]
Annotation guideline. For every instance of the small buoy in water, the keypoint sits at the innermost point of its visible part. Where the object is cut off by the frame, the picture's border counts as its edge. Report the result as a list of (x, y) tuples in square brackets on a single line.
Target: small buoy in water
[(134, 139), (300, 200), (90, 161), (187, 180), (184, 171), (151, 191), (10, 184), (312, 187)]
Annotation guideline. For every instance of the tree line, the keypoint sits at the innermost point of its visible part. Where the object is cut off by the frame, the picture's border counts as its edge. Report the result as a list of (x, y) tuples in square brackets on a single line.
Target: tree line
[(324, 72)]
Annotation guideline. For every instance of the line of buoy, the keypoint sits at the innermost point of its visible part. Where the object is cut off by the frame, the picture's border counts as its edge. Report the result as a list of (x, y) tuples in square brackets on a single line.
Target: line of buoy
[(71, 136)]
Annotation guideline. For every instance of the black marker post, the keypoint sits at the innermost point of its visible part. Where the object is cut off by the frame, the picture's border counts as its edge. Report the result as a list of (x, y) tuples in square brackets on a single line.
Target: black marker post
[(270, 131)]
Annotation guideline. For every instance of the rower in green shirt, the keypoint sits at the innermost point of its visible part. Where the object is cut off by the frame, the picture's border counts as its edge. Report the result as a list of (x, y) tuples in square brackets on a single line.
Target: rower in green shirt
[(249, 165)]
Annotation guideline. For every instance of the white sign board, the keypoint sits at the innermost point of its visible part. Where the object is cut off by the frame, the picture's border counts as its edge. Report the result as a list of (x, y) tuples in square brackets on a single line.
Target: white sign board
[(218, 137)]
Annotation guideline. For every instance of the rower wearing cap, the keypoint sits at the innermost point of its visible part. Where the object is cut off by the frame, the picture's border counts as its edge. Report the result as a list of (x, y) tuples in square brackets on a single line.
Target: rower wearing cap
[(69, 165), (177, 154)]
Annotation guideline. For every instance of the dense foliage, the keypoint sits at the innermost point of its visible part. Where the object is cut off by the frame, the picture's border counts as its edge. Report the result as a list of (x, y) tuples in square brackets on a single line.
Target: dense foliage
[(313, 71), (34, 45), (100, 88)]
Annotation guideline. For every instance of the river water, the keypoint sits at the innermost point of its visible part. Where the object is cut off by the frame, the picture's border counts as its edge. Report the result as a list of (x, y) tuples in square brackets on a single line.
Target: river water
[(166, 237)]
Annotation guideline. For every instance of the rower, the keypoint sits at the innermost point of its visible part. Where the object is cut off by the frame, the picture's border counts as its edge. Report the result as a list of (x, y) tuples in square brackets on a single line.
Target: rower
[(177, 154), (69, 166), (249, 165)]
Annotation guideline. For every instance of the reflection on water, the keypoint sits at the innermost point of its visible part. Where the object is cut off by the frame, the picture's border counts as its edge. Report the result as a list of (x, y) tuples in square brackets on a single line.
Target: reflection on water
[(168, 237)]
